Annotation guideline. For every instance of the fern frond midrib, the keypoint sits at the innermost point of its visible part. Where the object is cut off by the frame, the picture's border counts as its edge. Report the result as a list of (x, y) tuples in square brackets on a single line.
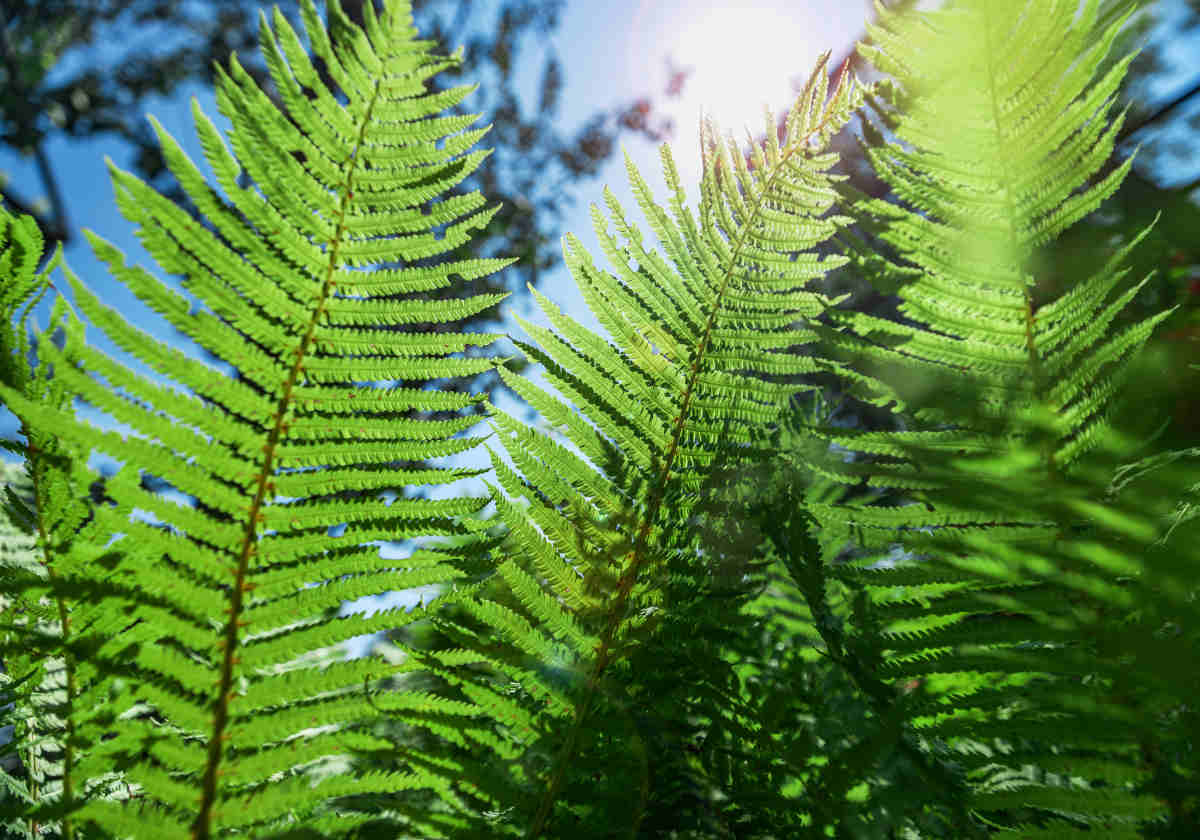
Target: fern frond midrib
[(637, 553), (202, 827), (1035, 362)]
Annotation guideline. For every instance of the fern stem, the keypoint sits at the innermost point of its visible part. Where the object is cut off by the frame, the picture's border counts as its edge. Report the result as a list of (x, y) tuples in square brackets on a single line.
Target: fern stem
[(1035, 362), (202, 827)]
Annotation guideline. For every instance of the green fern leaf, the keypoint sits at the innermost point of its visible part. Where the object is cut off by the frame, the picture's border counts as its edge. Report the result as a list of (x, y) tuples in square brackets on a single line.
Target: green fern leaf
[(1008, 125), (1003, 128), (225, 718), (695, 366)]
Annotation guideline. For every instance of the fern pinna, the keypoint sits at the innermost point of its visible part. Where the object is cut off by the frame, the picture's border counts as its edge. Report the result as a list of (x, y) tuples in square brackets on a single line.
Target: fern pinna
[(204, 620)]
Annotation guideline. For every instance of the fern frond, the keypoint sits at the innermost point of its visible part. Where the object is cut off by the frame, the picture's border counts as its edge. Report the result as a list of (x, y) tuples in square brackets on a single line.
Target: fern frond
[(1078, 636), (1003, 128), (45, 629), (695, 366), (229, 721), (1007, 127)]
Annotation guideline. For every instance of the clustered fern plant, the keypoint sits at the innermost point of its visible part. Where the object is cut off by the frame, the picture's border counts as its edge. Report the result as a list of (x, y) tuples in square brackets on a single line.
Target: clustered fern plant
[(689, 603)]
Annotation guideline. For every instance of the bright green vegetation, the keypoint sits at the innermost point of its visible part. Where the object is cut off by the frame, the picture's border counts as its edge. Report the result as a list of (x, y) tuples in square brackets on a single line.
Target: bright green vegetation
[(662, 612)]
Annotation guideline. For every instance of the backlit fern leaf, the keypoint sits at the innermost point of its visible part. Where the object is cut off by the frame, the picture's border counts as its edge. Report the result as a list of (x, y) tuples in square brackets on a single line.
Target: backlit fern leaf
[(1007, 127), (227, 731), (1004, 129), (694, 369)]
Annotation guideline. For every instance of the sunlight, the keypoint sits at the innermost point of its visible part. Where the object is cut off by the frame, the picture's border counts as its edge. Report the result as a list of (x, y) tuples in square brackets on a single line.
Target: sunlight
[(741, 56), (744, 56)]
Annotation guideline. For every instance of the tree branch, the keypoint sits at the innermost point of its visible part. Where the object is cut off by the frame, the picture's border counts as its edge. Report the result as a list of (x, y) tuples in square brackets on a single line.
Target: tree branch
[(1160, 113)]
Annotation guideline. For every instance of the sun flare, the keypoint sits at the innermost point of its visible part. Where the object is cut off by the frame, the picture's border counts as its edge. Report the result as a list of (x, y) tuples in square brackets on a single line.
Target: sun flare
[(743, 56)]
